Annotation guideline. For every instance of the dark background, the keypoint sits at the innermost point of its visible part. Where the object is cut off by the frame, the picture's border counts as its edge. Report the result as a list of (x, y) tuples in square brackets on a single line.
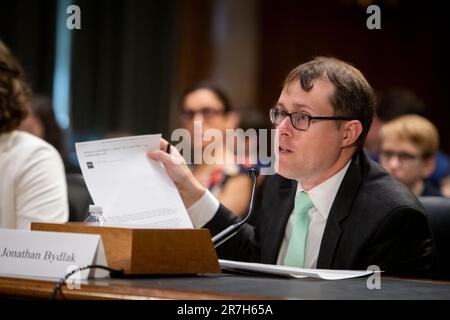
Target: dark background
[(132, 58)]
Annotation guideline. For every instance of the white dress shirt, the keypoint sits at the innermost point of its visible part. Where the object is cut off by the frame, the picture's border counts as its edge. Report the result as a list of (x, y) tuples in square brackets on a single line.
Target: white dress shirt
[(322, 197), (32, 182)]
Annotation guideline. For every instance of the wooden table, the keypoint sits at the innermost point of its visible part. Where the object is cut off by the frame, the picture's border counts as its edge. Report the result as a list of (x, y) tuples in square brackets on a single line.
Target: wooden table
[(226, 286)]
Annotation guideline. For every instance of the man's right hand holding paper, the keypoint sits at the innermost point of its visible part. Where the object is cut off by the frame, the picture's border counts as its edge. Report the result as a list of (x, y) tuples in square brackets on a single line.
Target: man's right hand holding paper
[(189, 187)]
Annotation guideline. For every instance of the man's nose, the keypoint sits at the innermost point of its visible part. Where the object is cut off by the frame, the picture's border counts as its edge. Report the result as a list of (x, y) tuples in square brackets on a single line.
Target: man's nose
[(285, 126)]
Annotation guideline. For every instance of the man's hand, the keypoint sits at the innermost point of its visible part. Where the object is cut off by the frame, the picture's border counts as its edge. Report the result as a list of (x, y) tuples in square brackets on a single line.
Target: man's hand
[(189, 187)]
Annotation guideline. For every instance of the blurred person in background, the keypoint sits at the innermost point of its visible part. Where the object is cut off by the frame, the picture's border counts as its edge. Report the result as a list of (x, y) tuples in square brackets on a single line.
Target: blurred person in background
[(209, 106), (32, 185), (392, 104), (408, 147)]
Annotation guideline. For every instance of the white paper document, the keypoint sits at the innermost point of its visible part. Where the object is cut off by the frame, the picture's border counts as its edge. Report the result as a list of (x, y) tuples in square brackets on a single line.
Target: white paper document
[(325, 274), (131, 189)]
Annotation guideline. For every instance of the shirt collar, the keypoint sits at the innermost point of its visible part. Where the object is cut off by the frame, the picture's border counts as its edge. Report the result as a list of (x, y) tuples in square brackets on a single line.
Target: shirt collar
[(322, 195)]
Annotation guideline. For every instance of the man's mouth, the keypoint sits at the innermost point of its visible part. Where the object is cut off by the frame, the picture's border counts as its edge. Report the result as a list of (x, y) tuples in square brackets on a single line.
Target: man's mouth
[(284, 150)]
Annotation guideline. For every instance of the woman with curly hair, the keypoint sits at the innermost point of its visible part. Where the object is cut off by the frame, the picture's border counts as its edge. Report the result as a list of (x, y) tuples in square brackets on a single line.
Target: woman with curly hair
[(32, 179)]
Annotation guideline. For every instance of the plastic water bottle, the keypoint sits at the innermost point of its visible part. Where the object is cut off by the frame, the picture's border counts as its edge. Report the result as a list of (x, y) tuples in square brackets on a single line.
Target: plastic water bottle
[(95, 215)]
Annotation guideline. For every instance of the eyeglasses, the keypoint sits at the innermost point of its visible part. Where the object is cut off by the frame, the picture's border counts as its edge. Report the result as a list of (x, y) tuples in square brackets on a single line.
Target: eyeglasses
[(401, 156), (207, 113), (299, 120)]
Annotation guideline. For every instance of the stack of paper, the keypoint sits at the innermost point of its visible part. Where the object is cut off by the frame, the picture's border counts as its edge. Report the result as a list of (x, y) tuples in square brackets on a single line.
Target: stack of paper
[(293, 272)]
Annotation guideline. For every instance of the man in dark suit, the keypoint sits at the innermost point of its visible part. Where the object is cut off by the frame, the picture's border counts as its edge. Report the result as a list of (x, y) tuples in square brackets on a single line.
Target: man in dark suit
[(329, 206)]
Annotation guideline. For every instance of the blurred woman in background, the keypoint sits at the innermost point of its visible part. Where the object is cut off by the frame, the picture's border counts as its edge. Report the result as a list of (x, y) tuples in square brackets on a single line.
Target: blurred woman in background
[(32, 184), (208, 107)]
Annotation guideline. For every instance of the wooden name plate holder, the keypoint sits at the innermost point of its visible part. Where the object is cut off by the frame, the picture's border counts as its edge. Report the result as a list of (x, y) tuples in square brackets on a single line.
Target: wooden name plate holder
[(149, 251)]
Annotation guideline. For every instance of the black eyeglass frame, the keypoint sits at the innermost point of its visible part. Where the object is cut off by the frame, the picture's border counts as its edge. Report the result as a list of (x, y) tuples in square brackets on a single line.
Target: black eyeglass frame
[(310, 118), (403, 157)]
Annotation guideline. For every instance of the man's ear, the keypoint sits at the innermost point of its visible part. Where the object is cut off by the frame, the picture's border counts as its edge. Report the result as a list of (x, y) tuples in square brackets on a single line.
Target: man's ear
[(352, 131)]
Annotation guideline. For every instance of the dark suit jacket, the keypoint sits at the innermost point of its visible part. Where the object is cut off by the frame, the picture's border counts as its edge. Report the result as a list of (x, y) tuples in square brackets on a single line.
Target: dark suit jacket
[(374, 220)]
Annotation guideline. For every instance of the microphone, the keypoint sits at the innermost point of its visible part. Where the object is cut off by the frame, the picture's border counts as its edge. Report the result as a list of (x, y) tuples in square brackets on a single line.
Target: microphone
[(229, 232)]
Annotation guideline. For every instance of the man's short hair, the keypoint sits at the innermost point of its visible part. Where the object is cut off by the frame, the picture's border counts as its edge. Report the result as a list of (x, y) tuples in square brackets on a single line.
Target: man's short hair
[(353, 96), (415, 129), (15, 93)]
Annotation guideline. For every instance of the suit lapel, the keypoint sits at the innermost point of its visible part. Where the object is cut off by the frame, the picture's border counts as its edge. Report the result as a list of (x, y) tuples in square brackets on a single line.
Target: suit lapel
[(283, 205), (339, 211)]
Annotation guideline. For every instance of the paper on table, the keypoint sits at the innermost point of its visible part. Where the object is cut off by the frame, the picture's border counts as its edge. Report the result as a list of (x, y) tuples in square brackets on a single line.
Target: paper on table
[(131, 189), (293, 272)]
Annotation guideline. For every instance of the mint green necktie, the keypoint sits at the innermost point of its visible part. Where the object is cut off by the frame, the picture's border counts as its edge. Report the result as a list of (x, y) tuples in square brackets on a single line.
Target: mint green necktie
[(295, 255)]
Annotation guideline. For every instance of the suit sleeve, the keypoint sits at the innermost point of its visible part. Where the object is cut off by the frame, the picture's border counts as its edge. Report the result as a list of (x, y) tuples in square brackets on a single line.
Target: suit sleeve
[(243, 246), (402, 245)]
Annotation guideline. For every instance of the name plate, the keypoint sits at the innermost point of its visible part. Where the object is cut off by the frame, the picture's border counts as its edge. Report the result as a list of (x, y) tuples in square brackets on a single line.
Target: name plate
[(48, 254)]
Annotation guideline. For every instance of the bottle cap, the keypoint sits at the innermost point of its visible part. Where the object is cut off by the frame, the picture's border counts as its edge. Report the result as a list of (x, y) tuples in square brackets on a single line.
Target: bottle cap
[(95, 209)]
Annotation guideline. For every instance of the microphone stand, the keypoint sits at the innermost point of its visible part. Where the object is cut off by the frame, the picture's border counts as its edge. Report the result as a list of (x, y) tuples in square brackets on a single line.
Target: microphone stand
[(229, 232)]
